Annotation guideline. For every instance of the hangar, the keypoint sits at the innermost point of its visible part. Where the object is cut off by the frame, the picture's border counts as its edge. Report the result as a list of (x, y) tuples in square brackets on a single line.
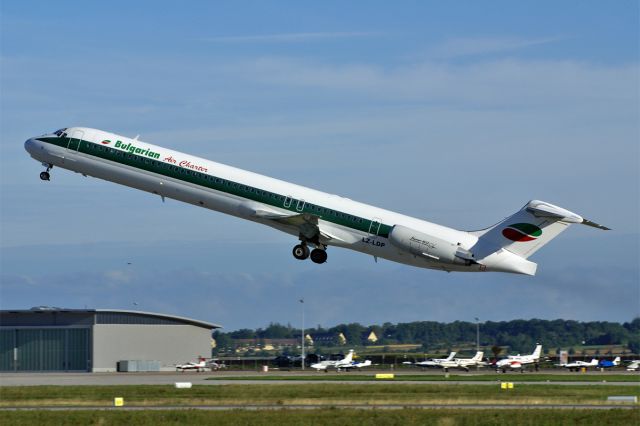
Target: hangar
[(96, 340)]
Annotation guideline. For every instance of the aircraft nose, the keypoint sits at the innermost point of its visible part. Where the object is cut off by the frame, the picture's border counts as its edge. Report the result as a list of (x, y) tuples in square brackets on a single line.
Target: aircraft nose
[(30, 145)]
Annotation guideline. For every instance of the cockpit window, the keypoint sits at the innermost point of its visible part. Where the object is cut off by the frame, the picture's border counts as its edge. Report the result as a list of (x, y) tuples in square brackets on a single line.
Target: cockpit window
[(60, 133)]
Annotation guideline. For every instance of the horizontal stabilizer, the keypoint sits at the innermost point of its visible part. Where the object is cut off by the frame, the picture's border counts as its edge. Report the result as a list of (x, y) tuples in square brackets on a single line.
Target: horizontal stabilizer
[(595, 225)]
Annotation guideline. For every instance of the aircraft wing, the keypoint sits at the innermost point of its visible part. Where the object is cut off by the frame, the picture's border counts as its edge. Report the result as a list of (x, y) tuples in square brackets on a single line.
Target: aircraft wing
[(307, 224)]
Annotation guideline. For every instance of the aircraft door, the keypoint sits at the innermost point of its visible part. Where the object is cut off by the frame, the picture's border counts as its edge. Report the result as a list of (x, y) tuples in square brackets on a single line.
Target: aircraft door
[(287, 202), (74, 140), (374, 226)]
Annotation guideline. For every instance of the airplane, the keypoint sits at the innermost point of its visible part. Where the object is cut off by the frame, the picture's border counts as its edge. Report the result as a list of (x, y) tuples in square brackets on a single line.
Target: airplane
[(452, 362), (476, 360), (213, 365), (633, 365), (354, 364), (577, 365), (341, 363), (201, 365), (604, 363), (462, 363), (317, 219), (519, 362), (432, 362)]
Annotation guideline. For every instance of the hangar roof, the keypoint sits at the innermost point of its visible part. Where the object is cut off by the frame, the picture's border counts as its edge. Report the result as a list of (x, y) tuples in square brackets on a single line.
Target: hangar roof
[(18, 317)]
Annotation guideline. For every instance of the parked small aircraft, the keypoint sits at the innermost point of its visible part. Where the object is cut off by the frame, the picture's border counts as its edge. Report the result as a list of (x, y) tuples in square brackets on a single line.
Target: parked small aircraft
[(431, 362), (201, 365), (519, 362), (466, 363), (345, 364), (634, 365), (605, 363), (323, 365), (355, 364), (577, 365)]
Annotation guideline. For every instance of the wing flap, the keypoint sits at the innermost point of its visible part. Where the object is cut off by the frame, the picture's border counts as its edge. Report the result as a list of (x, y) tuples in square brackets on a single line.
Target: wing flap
[(307, 224)]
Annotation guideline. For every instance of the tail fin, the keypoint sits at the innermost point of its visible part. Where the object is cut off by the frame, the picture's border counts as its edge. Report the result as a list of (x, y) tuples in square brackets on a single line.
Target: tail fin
[(349, 356), (450, 357), (477, 356), (616, 361), (537, 351), (522, 234)]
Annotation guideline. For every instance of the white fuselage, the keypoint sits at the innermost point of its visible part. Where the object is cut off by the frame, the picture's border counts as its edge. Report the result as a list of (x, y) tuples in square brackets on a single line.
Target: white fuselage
[(581, 364), (240, 193), (517, 361)]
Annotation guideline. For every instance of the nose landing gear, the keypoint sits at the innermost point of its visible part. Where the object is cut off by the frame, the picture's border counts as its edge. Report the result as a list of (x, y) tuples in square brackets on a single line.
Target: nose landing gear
[(45, 175)]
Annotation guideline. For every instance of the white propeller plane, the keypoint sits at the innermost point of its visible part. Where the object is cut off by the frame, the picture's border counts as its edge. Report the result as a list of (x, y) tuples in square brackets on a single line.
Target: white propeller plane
[(519, 362), (465, 363), (634, 365), (577, 365), (316, 218), (345, 363), (432, 362), (201, 365), (452, 362)]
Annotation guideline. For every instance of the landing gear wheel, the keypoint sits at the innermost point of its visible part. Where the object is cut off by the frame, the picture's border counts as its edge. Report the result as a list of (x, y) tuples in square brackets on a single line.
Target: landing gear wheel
[(318, 256), (301, 252), (45, 176)]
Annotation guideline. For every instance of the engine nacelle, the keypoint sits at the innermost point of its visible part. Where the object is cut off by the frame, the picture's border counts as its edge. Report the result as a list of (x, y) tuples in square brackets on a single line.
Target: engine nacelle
[(429, 247)]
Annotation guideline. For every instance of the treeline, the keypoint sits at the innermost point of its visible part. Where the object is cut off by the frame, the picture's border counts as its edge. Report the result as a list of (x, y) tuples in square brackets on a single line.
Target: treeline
[(518, 335)]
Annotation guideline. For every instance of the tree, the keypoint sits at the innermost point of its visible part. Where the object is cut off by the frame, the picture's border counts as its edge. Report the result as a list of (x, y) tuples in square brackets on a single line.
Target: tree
[(277, 331), (634, 344), (223, 342), (496, 351), (243, 333)]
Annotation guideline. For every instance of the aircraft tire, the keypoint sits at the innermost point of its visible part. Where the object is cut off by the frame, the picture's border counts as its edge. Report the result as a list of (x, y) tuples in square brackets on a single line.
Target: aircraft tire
[(45, 176), (301, 252), (318, 256)]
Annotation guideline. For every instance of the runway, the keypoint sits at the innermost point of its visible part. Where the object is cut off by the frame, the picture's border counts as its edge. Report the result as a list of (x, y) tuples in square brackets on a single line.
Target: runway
[(170, 378)]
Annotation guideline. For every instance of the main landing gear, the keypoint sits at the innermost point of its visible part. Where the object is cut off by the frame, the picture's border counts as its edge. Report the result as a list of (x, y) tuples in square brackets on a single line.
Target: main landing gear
[(318, 255), (301, 252), (45, 175)]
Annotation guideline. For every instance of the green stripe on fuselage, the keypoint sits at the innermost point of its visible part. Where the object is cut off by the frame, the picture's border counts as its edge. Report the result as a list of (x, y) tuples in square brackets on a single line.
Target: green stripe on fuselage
[(219, 184)]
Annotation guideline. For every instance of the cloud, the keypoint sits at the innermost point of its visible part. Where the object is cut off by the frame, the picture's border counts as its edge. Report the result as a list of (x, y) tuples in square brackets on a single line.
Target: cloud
[(472, 46), (289, 37), (218, 283), (487, 83)]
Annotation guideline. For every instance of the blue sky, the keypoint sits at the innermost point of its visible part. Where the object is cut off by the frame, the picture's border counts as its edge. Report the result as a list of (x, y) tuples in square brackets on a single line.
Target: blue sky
[(456, 113)]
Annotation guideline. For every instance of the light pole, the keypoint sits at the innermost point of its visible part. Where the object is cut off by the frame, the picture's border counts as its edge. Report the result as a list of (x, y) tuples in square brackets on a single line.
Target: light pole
[(302, 357), (477, 339)]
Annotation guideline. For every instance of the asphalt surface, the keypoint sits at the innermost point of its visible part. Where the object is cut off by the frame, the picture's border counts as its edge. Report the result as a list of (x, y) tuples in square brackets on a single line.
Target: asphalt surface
[(170, 378)]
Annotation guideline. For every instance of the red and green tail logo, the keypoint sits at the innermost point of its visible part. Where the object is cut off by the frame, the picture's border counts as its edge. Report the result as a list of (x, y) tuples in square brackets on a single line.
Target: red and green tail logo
[(521, 232)]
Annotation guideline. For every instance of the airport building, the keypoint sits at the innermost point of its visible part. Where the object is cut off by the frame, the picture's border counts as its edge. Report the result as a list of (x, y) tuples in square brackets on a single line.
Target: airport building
[(99, 340)]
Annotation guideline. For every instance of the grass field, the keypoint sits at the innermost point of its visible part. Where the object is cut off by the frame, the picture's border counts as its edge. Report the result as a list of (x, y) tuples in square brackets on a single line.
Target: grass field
[(320, 394), (440, 377), (340, 417)]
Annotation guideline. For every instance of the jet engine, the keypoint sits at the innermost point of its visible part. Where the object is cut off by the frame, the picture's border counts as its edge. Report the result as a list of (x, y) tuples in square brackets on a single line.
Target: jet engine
[(429, 247)]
